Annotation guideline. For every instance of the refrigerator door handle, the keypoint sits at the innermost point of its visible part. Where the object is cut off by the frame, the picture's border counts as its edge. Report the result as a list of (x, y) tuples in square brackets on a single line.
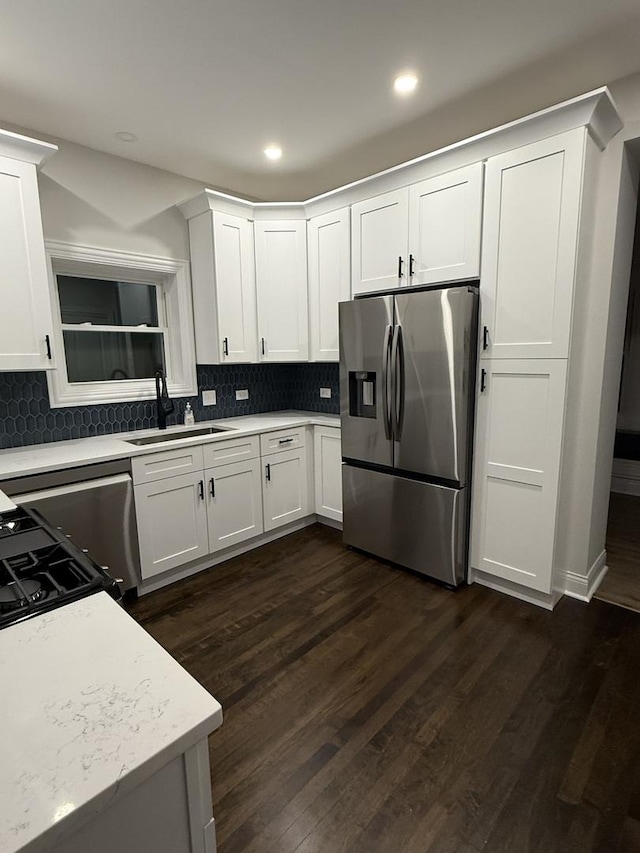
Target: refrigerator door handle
[(397, 374), (386, 355)]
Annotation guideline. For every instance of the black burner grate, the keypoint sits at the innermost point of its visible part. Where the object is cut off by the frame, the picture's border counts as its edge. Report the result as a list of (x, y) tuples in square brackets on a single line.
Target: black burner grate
[(40, 569)]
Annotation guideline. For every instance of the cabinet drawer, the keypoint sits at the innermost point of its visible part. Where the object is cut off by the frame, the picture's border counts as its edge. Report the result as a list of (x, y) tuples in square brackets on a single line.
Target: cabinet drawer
[(169, 463), (234, 450), (283, 439)]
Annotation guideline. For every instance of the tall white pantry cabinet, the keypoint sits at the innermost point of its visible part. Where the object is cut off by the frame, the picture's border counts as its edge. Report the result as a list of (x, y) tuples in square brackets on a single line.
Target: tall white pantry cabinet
[(533, 230)]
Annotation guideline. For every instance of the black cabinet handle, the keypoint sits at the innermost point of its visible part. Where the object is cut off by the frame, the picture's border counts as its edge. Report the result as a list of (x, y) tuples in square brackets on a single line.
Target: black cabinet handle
[(47, 341), (483, 380), (285, 440), (400, 262), (268, 471), (201, 489), (212, 487), (485, 337), (262, 346), (411, 263), (225, 346)]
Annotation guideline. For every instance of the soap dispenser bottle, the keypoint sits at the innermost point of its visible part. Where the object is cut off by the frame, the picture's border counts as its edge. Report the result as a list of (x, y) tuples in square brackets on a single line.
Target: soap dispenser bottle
[(188, 415)]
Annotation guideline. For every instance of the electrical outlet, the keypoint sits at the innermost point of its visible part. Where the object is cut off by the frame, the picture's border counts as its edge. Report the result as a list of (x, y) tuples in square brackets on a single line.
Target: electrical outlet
[(325, 393), (209, 398), (242, 394)]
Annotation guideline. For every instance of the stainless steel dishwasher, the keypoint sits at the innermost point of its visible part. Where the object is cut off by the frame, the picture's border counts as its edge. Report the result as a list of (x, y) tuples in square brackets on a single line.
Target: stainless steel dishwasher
[(93, 504)]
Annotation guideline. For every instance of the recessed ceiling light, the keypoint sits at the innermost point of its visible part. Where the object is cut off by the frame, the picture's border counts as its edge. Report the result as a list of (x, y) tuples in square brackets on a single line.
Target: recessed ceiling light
[(273, 152), (125, 136), (405, 83)]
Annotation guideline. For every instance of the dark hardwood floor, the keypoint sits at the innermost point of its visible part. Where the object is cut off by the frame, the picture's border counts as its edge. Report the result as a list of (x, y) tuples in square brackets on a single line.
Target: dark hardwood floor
[(621, 584), (369, 710)]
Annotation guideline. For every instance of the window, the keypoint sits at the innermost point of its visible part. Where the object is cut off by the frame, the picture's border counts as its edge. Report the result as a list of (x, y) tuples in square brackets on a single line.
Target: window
[(121, 318)]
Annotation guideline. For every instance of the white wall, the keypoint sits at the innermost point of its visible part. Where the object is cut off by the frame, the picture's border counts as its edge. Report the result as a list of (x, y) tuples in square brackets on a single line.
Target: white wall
[(609, 275), (95, 199), (596, 350)]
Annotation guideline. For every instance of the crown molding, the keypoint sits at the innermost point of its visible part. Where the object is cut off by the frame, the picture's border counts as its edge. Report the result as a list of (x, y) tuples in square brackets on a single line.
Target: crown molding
[(594, 110), (25, 148)]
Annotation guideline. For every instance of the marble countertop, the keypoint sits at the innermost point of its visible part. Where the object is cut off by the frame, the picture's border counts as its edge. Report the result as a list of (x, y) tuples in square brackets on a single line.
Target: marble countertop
[(54, 456), (91, 706)]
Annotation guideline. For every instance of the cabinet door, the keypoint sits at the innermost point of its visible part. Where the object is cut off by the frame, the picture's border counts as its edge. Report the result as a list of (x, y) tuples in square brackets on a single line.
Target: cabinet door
[(531, 217), (234, 503), (445, 218), (172, 523), (379, 242), (281, 281), (517, 467), (284, 487), (329, 280), (328, 472), (236, 288), (25, 319)]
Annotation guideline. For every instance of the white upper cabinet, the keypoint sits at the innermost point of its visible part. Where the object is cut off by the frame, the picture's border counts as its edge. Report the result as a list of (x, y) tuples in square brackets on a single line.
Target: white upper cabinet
[(25, 321), (531, 219), (329, 280), (421, 234), (379, 242), (517, 469), (445, 216), (281, 280), (224, 290)]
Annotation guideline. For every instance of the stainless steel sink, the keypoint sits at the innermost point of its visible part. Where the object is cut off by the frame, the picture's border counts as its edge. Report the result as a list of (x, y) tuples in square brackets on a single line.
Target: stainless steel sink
[(175, 436)]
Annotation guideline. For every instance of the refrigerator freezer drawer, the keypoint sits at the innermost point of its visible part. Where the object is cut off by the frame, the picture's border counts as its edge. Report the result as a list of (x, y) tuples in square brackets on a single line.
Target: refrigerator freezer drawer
[(417, 525)]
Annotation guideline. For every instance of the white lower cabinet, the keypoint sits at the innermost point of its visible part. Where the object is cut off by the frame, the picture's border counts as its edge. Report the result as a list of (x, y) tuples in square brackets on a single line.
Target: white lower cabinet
[(234, 503), (170, 812), (172, 522), (284, 487), (327, 449), (197, 501), (517, 470)]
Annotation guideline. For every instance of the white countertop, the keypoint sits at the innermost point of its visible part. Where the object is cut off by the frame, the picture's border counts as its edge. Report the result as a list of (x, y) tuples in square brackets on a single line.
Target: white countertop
[(57, 455), (91, 706)]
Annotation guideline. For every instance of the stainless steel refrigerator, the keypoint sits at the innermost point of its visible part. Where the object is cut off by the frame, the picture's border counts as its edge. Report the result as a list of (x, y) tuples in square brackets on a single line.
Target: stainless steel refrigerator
[(407, 383)]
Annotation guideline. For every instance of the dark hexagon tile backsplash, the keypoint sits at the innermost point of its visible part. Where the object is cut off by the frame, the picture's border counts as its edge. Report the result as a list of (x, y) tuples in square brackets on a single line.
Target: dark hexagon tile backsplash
[(26, 417)]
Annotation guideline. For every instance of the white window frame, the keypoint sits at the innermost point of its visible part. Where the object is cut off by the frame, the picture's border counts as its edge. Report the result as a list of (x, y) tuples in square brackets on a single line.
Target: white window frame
[(172, 279)]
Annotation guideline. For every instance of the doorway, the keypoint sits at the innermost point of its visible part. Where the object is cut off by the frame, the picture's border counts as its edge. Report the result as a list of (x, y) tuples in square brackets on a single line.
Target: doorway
[(621, 584)]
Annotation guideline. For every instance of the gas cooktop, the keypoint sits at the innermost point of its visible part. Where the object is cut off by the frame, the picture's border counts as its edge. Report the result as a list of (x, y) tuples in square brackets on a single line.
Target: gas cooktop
[(41, 569)]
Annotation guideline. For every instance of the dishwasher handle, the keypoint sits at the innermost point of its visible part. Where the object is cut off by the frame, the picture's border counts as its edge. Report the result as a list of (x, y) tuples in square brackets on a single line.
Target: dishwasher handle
[(59, 491)]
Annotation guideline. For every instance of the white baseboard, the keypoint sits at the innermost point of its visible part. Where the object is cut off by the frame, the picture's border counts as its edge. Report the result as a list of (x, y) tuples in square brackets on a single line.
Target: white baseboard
[(330, 522), (583, 587), (625, 477), (540, 599)]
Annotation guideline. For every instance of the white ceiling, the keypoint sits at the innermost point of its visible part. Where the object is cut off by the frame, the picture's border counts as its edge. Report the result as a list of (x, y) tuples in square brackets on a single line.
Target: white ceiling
[(205, 84)]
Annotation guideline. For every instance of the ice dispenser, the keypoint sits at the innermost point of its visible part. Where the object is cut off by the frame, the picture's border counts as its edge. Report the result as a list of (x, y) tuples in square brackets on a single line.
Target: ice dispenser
[(362, 393)]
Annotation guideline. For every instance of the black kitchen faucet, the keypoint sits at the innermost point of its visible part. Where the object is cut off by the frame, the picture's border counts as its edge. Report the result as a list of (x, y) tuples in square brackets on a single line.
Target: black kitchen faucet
[(164, 406)]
